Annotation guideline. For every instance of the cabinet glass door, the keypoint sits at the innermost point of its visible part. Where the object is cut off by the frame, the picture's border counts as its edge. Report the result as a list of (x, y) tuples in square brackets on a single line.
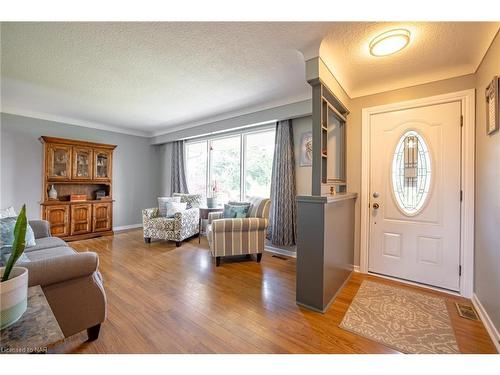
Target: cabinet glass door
[(102, 165), (82, 163), (59, 162)]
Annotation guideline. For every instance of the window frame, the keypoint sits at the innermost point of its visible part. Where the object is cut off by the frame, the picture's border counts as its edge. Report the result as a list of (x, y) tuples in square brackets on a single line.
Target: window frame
[(242, 135)]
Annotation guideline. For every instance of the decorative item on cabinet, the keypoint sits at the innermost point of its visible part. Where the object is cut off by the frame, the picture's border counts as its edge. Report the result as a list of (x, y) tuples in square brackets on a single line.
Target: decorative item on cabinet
[(100, 194), (77, 178), (77, 197), (52, 192)]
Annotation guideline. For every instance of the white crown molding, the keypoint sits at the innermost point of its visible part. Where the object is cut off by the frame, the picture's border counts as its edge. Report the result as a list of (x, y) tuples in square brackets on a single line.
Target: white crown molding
[(72, 121), (488, 324)]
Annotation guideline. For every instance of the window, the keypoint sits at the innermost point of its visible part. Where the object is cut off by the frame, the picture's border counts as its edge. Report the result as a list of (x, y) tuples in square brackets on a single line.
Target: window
[(259, 151), (196, 167), (225, 168), (411, 173), (239, 165)]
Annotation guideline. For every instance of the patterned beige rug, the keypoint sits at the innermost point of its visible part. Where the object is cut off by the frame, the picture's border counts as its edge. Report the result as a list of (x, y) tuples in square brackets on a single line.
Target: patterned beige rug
[(404, 320)]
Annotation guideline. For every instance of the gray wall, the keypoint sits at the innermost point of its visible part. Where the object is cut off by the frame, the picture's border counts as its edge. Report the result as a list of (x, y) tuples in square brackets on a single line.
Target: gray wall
[(487, 220), (135, 166), (303, 175), (284, 112), (165, 155)]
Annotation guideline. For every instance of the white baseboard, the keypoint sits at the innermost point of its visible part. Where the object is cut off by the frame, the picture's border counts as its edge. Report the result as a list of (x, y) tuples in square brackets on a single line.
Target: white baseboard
[(356, 268), (125, 227), (277, 250), (488, 324)]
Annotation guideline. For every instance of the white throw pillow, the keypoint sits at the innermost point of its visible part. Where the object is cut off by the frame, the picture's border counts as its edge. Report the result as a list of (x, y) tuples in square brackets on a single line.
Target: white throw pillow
[(8, 212), (174, 207), (162, 204)]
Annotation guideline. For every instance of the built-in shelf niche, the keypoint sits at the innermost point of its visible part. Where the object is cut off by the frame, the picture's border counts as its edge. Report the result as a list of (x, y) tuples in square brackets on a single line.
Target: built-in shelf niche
[(65, 189), (332, 140)]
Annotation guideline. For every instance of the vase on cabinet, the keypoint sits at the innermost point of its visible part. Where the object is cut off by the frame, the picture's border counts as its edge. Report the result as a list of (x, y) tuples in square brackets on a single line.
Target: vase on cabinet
[(52, 192)]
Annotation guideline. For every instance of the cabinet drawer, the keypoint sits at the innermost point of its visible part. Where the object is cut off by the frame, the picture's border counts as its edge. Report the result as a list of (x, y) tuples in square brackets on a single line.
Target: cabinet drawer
[(81, 218), (58, 217), (101, 217)]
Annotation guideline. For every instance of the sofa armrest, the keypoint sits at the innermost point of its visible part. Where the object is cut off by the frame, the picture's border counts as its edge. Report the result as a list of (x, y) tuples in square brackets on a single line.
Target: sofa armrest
[(247, 224), (186, 219), (214, 216), (41, 228), (149, 213), (62, 268)]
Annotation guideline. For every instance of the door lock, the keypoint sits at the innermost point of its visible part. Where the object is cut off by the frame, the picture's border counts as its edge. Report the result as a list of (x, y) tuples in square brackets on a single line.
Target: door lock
[(376, 206)]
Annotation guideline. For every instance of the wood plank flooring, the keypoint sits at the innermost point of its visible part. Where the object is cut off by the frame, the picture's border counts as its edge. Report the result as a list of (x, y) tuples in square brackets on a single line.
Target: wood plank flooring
[(163, 299)]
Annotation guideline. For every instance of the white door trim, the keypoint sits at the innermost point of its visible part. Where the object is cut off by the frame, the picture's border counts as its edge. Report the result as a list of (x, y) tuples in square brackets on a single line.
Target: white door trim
[(467, 99)]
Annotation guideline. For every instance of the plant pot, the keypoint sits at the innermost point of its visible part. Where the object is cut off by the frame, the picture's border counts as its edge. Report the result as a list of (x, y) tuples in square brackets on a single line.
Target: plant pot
[(211, 202), (13, 296)]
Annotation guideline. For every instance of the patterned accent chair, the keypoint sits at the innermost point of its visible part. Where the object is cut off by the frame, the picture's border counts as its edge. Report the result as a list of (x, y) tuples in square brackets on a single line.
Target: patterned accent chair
[(239, 236), (183, 225)]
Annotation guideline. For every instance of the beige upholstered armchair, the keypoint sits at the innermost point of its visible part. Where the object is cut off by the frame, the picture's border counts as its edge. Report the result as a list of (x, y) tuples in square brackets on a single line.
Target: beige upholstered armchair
[(183, 225), (239, 236)]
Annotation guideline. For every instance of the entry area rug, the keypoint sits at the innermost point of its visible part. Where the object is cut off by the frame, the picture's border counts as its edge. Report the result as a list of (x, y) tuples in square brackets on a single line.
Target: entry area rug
[(407, 321)]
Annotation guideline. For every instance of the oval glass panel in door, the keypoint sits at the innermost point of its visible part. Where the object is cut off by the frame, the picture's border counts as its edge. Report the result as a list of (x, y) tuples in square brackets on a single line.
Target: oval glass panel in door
[(411, 173)]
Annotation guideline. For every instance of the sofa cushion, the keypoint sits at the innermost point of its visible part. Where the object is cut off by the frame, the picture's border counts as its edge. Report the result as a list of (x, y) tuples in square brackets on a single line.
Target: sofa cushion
[(7, 225), (7, 212), (192, 200), (45, 243), (50, 252), (236, 211), (163, 204)]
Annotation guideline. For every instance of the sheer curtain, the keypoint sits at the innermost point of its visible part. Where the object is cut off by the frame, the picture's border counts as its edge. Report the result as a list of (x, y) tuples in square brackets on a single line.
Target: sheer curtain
[(178, 172), (283, 214)]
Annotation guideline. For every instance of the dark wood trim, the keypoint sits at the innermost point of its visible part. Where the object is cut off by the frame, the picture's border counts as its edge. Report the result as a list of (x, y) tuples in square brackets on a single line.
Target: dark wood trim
[(57, 202), (88, 235), (73, 142)]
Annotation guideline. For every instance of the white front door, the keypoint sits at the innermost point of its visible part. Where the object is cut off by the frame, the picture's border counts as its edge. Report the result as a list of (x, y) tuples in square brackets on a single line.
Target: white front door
[(415, 194)]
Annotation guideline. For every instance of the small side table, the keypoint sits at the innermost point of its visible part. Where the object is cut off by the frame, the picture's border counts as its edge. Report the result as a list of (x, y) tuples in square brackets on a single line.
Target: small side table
[(36, 331), (204, 211)]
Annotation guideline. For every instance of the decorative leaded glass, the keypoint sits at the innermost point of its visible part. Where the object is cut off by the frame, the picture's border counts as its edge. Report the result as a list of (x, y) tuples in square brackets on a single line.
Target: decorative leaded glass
[(411, 173)]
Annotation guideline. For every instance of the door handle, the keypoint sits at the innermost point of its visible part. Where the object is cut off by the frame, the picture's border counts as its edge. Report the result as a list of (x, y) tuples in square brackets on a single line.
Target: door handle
[(376, 206)]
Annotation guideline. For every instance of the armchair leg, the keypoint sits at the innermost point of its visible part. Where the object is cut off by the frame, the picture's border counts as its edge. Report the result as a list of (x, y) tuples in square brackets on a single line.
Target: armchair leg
[(217, 261), (178, 243), (259, 257), (93, 332), (147, 239)]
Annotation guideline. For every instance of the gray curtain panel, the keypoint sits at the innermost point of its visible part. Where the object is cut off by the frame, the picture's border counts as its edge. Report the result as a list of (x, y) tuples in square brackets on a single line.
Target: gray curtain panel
[(178, 174), (283, 214)]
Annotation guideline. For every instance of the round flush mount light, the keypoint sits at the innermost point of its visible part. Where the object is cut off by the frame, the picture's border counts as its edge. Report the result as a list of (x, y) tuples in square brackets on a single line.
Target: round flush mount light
[(389, 42)]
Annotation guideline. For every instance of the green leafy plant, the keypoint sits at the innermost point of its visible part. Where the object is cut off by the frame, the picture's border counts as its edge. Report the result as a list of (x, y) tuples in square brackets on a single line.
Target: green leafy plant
[(19, 242)]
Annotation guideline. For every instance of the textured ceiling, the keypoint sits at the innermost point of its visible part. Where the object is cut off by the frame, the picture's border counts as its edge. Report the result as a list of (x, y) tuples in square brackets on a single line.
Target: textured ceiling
[(153, 76), (149, 78), (437, 50)]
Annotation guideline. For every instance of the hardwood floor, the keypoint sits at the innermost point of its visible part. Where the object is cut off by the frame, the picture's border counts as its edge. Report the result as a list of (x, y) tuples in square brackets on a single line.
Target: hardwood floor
[(164, 299)]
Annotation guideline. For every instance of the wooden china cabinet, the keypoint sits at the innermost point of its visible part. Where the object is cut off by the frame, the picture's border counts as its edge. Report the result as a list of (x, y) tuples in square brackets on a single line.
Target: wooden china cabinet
[(81, 174)]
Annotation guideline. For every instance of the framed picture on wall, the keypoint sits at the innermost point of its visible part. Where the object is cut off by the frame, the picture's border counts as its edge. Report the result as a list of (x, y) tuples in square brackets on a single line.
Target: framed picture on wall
[(492, 104), (306, 149)]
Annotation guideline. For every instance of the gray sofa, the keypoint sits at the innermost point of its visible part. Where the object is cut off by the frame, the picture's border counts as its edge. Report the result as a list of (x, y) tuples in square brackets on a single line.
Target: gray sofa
[(70, 281)]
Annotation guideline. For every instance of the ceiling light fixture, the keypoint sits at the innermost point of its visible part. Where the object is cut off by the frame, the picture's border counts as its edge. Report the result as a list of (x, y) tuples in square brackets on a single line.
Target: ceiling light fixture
[(389, 42)]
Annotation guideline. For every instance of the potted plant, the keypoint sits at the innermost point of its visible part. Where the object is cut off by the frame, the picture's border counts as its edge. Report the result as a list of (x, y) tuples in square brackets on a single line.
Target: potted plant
[(212, 200), (14, 280)]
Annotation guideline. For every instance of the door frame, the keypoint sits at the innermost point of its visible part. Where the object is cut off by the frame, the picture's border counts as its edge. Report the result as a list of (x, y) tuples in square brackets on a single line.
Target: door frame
[(467, 100)]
